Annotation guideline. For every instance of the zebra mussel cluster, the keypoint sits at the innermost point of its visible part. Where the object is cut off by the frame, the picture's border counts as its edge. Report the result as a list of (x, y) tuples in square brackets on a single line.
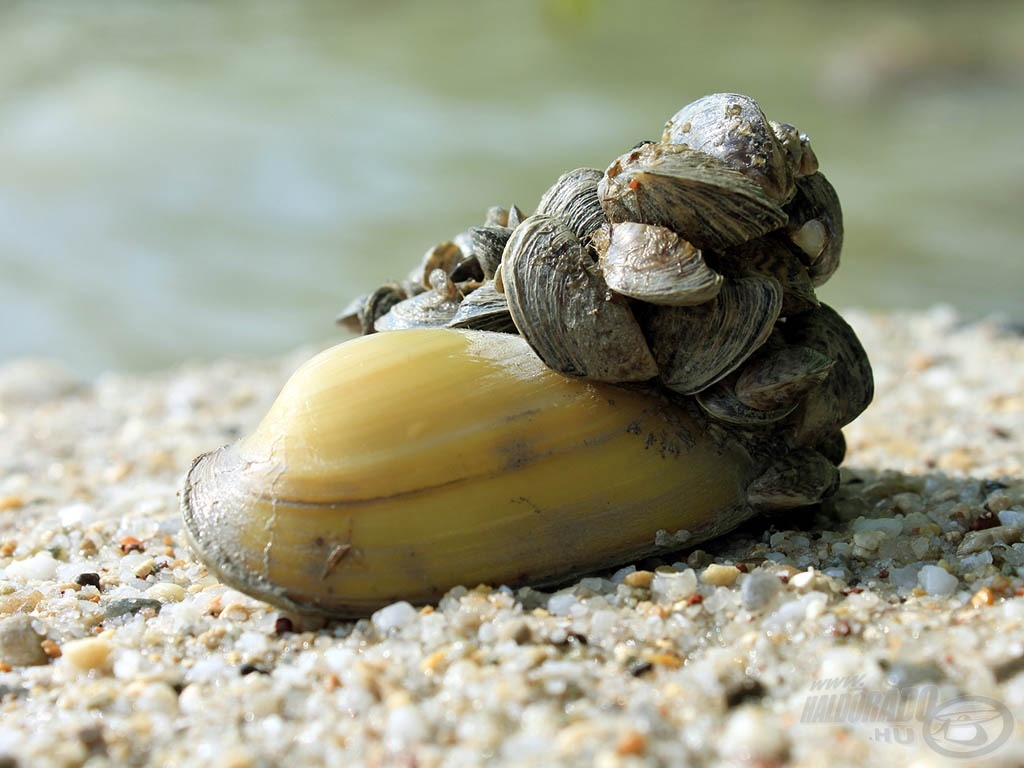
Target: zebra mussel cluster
[(690, 263)]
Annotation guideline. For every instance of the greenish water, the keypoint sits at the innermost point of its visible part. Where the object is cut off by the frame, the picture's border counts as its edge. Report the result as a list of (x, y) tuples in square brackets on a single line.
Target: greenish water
[(196, 179)]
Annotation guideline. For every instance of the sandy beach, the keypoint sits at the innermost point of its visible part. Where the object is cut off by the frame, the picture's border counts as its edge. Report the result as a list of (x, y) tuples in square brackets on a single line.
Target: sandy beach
[(887, 629)]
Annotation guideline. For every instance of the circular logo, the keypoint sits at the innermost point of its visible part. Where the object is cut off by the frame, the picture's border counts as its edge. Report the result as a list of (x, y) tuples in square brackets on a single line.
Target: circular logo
[(968, 726)]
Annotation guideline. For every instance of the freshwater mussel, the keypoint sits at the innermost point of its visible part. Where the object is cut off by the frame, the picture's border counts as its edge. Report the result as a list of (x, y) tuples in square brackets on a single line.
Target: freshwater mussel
[(645, 352)]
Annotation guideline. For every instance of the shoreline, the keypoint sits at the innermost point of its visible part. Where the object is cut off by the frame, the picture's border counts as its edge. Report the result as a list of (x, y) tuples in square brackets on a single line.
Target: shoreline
[(912, 576)]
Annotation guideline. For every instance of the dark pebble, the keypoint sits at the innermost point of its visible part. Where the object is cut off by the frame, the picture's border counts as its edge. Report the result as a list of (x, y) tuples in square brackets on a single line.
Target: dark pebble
[(985, 520), (88, 580), (283, 626), (248, 669), (7, 761), (748, 690), (639, 668), (1008, 669), (129, 606)]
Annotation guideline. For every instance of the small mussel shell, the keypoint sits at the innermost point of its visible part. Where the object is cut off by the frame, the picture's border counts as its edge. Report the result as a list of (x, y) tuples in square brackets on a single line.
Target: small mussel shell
[(351, 494), (832, 446), (484, 310), (733, 128), (849, 387), (703, 199), (654, 264), (515, 217), (488, 245), (564, 309), (721, 402), (433, 308), (799, 479), (772, 256), (573, 199), (799, 154), (697, 346), (777, 377), (496, 217), (362, 314), (445, 256), (816, 226)]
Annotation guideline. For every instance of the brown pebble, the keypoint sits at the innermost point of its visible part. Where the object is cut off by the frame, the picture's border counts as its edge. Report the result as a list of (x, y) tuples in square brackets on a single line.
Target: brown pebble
[(51, 649), (432, 663), (639, 579), (632, 743), (920, 362), (986, 519), (669, 659), (11, 502), (131, 544), (20, 602), (7, 548), (983, 597), (283, 626)]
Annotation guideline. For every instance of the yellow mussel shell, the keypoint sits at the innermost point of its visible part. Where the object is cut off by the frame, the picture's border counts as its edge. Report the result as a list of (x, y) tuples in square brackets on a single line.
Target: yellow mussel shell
[(398, 465)]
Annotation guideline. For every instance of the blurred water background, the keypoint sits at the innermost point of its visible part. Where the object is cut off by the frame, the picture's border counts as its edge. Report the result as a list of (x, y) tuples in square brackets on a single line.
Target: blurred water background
[(194, 179)]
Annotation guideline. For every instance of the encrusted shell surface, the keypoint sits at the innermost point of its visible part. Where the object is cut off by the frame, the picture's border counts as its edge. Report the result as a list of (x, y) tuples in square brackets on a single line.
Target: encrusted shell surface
[(564, 309), (701, 198), (654, 264), (733, 128), (799, 154)]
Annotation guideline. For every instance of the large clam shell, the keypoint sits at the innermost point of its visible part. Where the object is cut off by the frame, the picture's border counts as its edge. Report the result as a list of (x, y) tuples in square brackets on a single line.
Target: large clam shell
[(564, 309), (701, 198), (654, 264), (733, 128), (351, 494)]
